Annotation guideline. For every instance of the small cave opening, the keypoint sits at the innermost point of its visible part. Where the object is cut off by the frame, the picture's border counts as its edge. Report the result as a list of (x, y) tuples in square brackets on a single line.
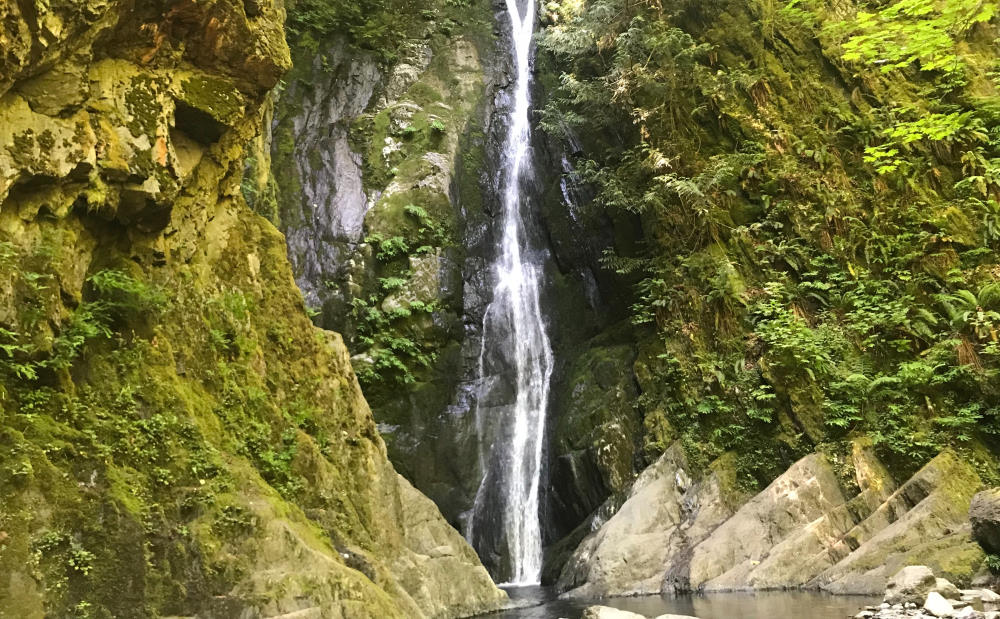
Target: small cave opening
[(198, 125)]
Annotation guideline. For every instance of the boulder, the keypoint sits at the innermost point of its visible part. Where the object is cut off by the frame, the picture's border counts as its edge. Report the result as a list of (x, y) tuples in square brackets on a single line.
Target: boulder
[(984, 514), (938, 606), (946, 589), (606, 612), (910, 584)]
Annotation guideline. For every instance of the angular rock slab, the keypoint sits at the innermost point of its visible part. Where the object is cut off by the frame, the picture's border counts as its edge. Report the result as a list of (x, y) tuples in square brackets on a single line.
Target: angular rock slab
[(923, 523), (665, 514), (801, 531), (735, 556)]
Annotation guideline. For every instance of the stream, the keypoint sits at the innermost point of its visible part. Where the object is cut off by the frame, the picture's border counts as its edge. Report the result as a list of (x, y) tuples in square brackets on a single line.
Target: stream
[(542, 603)]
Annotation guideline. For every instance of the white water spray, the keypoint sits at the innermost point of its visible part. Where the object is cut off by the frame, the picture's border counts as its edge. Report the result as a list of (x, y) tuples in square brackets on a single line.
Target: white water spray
[(516, 310)]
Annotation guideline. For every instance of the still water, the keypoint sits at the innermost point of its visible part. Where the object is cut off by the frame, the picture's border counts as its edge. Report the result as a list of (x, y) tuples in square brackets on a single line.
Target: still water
[(541, 603)]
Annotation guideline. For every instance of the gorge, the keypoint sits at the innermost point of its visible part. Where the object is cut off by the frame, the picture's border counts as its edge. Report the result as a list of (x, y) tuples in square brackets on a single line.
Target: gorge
[(330, 308)]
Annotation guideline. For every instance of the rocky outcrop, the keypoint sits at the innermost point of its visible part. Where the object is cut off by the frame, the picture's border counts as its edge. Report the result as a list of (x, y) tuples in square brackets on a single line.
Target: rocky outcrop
[(674, 534), (667, 513), (176, 437), (984, 515)]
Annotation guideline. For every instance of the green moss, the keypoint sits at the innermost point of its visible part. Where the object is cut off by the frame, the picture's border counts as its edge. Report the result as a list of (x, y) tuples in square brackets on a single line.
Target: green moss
[(143, 100), (785, 269), (215, 96)]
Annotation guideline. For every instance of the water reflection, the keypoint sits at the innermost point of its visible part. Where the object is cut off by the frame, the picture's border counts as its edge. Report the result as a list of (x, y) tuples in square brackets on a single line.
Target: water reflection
[(541, 603)]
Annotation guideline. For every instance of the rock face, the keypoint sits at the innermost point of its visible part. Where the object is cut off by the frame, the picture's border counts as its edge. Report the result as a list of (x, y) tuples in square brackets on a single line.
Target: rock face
[(385, 180), (984, 514), (176, 438), (674, 534), (375, 176), (596, 433), (666, 514)]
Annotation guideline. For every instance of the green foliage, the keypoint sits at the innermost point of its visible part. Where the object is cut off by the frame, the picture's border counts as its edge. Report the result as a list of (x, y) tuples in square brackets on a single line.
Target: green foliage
[(814, 252), (118, 298), (373, 24), (388, 248), (912, 31), (395, 334), (377, 25), (387, 338)]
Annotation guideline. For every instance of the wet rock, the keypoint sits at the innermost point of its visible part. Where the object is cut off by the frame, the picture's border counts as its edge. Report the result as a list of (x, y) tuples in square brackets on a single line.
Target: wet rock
[(595, 438)]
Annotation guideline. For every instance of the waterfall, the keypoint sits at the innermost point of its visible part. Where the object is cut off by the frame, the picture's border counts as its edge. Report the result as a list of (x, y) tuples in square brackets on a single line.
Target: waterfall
[(515, 340)]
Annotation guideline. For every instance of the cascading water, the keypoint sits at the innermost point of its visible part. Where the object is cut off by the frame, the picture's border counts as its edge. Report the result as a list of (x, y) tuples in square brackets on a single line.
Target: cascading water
[(515, 340)]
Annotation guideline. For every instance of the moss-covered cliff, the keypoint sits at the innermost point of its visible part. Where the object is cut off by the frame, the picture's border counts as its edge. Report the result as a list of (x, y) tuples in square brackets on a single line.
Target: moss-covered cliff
[(817, 185), (177, 437), (817, 189)]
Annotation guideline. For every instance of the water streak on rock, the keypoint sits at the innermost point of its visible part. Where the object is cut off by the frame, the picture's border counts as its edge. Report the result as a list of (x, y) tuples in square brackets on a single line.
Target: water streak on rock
[(514, 330)]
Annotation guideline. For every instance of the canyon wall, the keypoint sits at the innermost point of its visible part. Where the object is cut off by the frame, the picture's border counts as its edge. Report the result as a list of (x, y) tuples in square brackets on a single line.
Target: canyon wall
[(176, 437)]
